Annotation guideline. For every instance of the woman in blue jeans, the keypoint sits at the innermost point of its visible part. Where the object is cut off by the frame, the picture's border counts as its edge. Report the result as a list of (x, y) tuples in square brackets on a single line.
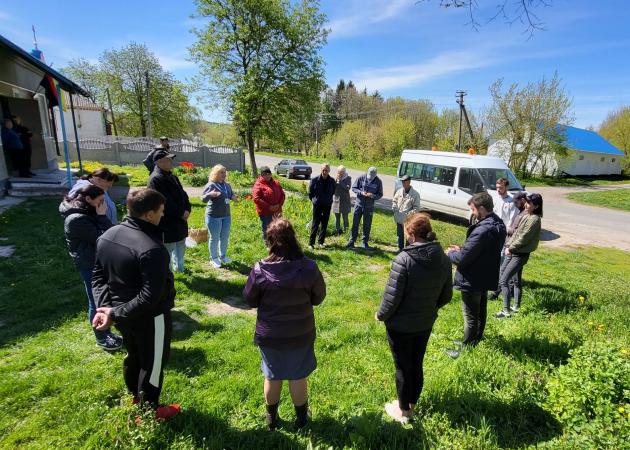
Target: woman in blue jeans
[(218, 194), (85, 220)]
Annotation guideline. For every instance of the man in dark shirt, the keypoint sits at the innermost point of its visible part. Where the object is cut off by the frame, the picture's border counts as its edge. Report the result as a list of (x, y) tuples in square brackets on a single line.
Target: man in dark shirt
[(27, 151), (321, 192), (134, 290)]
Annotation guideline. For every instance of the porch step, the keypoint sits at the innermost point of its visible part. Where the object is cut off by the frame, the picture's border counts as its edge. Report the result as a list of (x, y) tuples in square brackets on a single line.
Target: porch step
[(50, 184), (38, 192)]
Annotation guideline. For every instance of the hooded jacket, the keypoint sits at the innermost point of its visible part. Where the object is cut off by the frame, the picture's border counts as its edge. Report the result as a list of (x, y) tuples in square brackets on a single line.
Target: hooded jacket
[(284, 293), (132, 272), (167, 184), (148, 161), (527, 236), (111, 206), (479, 260), (420, 282), (266, 194), (82, 227)]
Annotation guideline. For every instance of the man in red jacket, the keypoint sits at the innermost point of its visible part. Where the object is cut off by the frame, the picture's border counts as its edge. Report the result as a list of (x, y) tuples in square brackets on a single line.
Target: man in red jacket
[(269, 198)]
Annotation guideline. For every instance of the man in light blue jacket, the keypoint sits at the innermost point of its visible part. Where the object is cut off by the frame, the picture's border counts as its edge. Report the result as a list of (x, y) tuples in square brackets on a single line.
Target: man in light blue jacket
[(368, 188)]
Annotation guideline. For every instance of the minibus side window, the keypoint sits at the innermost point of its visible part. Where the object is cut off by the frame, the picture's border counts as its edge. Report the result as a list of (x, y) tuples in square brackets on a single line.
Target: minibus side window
[(438, 174), (414, 170), (468, 180)]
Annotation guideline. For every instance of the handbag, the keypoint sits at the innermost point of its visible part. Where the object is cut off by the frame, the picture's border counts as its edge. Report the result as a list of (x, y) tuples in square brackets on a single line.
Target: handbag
[(199, 235)]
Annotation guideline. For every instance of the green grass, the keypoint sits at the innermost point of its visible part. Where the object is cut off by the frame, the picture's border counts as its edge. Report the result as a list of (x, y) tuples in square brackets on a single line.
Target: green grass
[(583, 181), (616, 199), (356, 165), (518, 389)]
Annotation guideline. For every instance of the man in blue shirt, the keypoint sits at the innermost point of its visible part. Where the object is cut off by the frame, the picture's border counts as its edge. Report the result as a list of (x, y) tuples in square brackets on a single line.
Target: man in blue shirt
[(13, 144), (368, 188)]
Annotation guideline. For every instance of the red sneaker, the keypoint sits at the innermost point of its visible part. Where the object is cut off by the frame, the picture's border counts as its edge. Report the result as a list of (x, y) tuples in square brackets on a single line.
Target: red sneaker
[(167, 412)]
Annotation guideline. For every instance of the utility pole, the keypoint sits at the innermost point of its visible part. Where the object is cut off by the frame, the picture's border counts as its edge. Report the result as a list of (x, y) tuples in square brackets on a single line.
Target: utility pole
[(150, 132), (111, 110), (460, 100)]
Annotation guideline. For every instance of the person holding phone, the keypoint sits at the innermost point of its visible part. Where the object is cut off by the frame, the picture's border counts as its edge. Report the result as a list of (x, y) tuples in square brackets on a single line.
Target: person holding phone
[(218, 194), (368, 189), (85, 220)]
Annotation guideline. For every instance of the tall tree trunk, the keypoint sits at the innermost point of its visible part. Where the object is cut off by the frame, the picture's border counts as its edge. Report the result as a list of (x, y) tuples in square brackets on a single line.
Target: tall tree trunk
[(252, 155)]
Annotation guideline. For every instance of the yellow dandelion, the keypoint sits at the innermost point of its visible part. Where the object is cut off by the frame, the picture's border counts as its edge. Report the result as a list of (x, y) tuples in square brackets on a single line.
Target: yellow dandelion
[(624, 352), (590, 323), (617, 416), (622, 410), (581, 298)]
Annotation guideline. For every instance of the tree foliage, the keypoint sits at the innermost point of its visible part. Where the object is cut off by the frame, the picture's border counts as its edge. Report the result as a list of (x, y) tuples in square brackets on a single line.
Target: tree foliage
[(123, 72), (616, 129), (259, 60), (529, 123)]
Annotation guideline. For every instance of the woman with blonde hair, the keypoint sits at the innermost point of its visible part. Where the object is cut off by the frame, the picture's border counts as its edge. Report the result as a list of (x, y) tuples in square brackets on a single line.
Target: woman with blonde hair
[(284, 287), (218, 194), (341, 200)]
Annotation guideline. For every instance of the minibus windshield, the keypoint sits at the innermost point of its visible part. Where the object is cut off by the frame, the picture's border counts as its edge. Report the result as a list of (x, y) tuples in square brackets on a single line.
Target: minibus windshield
[(490, 177)]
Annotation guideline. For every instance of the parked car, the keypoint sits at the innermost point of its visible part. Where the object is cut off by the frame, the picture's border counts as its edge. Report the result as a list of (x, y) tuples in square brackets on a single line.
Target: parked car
[(447, 180), (293, 167)]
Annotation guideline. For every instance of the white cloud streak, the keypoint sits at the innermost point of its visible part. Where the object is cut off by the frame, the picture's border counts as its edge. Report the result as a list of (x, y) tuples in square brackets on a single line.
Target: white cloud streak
[(365, 15)]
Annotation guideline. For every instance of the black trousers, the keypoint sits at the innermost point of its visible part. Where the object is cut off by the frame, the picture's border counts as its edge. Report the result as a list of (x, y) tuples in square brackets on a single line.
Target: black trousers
[(21, 159), (148, 343), (408, 350), (475, 311), (321, 214)]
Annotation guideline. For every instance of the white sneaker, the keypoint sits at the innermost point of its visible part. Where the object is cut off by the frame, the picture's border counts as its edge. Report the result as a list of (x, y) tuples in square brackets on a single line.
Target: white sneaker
[(225, 259), (390, 409), (216, 263)]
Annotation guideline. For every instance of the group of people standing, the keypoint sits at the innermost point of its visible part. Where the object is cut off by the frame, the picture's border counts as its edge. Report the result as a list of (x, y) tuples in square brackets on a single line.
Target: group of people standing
[(128, 270), (16, 139)]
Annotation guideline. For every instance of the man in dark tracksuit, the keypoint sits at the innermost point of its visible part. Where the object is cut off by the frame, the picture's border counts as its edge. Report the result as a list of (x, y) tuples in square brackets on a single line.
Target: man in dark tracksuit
[(478, 264), (321, 192), (368, 189), (134, 289)]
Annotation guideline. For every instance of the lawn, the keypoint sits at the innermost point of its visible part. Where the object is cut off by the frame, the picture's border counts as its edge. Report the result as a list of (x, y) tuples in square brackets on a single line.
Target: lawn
[(556, 376), (583, 181), (617, 199), (356, 165)]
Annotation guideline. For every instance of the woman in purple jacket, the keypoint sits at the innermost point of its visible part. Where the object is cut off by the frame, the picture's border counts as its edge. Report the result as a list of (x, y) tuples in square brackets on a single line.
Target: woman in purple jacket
[(284, 287)]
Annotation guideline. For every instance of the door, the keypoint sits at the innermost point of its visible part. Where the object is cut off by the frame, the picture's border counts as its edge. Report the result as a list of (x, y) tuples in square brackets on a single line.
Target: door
[(281, 167), (437, 187), (468, 182), (28, 111)]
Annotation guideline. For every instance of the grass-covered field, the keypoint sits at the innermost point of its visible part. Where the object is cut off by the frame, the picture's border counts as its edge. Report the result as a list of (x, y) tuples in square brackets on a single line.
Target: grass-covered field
[(556, 376), (617, 199)]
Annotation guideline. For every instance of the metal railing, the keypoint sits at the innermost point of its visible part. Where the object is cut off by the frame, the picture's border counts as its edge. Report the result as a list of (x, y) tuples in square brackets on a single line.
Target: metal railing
[(144, 144)]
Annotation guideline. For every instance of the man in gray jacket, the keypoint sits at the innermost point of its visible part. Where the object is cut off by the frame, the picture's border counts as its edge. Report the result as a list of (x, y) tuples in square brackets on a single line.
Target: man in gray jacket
[(406, 202)]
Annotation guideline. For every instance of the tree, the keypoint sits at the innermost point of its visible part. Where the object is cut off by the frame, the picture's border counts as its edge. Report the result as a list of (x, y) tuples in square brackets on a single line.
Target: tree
[(511, 11), (124, 73), (616, 129), (529, 122), (260, 58)]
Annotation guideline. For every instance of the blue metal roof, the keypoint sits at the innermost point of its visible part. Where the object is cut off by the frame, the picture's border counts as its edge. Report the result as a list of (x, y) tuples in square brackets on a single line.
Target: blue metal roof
[(589, 141)]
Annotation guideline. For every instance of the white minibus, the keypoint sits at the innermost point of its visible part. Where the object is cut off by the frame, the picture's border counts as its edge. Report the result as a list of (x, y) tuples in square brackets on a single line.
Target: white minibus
[(447, 180)]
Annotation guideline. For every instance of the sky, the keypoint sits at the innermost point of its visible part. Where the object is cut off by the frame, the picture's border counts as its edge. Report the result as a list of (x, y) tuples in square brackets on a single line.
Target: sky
[(404, 48)]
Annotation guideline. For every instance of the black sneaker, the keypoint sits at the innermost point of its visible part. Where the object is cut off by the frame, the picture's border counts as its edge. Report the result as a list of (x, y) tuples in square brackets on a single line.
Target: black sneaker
[(109, 344), (503, 314), (458, 344), (453, 353), (493, 295), (117, 337)]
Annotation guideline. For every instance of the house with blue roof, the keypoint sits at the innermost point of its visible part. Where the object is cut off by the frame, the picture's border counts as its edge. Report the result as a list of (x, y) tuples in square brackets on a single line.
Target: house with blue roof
[(590, 155)]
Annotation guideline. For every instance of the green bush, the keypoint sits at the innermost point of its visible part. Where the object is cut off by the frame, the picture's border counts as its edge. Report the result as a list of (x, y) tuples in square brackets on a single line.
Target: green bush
[(592, 393)]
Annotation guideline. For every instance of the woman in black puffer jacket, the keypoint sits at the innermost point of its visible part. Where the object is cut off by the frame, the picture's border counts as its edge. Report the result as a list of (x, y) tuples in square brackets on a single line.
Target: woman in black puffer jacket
[(420, 282), (85, 221)]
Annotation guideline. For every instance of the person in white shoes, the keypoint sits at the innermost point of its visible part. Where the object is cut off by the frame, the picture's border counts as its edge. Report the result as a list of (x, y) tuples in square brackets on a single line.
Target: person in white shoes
[(218, 194)]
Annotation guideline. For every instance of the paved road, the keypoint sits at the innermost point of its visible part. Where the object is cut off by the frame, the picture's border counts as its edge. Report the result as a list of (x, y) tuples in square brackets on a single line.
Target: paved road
[(565, 222)]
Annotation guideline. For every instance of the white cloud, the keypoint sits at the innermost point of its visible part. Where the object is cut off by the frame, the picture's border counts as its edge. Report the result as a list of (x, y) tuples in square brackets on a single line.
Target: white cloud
[(414, 74), (365, 15), (175, 61), (7, 16)]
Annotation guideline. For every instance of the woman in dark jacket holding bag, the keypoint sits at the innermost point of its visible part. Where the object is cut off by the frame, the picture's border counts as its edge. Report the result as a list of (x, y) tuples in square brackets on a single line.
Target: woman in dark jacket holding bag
[(420, 282), (523, 242), (284, 287), (85, 220)]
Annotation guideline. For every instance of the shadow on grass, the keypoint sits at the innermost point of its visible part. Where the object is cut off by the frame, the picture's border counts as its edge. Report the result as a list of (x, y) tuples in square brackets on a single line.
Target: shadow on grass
[(184, 326), (207, 431), (555, 299), (516, 424), (533, 347), (191, 361), (213, 287)]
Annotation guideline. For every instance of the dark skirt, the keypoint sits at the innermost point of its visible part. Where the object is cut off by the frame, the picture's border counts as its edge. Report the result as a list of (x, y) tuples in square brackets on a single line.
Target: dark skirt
[(292, 364)]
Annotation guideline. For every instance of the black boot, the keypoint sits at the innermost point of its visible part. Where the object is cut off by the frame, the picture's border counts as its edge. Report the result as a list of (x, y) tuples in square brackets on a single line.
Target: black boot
[(272, 416), (302, 414)]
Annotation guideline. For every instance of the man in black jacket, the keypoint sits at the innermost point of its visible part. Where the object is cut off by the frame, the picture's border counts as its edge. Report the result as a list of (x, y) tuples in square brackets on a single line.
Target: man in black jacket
[(149, 161), (478, 264), (321, 192), (176, 209), (134, 290)]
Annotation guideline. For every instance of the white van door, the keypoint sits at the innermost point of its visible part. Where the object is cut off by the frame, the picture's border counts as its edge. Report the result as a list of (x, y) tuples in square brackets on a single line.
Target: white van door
[(437, 187), (468, 181)]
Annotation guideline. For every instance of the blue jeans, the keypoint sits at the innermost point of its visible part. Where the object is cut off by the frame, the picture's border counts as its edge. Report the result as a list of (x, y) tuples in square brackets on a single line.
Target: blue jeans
[(219, 228), (400, 234), (177, 251), (86, 275), (346, 223), (366, 214), (264, 222)]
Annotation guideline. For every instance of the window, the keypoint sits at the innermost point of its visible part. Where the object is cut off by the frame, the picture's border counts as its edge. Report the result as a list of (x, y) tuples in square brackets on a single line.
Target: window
[(602, 160), (298, 162), (283, 162), (490, 177), (613, 160), (468, 181), (438, 174), (414, 170), (581, 158)]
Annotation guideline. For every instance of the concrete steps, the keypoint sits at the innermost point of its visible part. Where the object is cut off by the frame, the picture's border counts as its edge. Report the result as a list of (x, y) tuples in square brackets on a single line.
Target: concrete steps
[(43, 185)]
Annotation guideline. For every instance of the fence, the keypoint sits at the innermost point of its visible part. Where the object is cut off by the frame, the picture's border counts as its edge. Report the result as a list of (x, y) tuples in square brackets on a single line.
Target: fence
[(121, 151)]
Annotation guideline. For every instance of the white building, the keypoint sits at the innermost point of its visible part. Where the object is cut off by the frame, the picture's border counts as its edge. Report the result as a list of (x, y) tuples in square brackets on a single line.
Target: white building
[(591, 155)]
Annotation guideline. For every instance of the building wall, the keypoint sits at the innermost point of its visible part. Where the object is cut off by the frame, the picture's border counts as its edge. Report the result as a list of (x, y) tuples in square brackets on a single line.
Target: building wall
[(89, 122)]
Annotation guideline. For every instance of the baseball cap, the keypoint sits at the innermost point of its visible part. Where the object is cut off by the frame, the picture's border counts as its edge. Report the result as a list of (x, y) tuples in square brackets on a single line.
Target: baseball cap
[(163, 138), (520, 195), (162, 154), (371, 173), (264, 170), (405, 178)]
